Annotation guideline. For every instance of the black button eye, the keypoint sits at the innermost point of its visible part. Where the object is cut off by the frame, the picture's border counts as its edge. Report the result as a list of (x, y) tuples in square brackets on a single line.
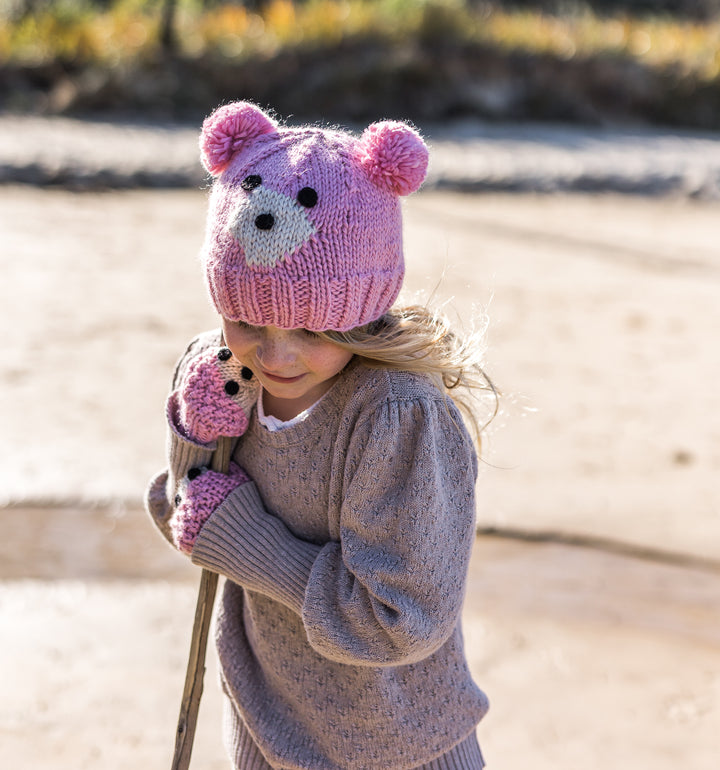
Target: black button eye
[(251, 182), (264, 221), (307, 197)]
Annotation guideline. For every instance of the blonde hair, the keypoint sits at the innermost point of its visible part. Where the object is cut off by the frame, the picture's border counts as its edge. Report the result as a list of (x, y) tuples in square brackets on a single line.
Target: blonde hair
[(416, 339)]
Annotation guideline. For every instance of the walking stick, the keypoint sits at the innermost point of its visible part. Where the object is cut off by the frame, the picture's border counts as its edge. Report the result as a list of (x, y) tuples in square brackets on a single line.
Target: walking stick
[(190, 704)]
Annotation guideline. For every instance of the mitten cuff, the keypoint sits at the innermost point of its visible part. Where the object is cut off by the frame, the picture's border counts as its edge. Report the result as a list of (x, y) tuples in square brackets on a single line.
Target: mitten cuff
[(183, 453), (172, 412), (255, 549)]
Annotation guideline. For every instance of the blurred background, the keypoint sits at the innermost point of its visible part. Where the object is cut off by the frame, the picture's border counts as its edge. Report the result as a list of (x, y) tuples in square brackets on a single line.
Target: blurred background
[(572, 209), (593, 61)]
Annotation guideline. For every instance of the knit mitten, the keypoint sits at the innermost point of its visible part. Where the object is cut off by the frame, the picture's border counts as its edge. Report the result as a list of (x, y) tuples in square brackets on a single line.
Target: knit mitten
[(199, 494), (215, 396)]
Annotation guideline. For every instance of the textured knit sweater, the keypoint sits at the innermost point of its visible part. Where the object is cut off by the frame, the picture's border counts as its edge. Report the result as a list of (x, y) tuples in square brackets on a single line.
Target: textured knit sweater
[(338, 632)]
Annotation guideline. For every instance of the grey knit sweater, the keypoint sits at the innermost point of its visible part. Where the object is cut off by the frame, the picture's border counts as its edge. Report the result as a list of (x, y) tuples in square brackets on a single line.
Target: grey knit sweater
[(338, 632)]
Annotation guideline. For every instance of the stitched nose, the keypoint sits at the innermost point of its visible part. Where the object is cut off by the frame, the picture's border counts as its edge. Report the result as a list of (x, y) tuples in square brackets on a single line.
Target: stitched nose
[(264, 221)]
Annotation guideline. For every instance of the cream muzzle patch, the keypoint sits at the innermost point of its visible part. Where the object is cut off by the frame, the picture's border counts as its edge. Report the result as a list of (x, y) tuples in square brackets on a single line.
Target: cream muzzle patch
[(269, 226)]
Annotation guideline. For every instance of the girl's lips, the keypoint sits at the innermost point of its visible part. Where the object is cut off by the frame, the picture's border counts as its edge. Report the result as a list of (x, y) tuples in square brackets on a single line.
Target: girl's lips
[(286, 380)]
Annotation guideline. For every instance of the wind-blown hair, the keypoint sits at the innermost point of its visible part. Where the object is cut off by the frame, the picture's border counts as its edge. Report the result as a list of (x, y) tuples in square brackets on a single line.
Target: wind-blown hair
[(415, 339)]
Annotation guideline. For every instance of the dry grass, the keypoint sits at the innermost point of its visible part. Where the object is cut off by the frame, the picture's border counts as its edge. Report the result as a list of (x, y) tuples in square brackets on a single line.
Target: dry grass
[(128, 29)]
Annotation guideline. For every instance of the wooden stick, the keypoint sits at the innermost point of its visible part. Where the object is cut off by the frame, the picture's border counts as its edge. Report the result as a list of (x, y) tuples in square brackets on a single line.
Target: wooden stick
[(190, 704)]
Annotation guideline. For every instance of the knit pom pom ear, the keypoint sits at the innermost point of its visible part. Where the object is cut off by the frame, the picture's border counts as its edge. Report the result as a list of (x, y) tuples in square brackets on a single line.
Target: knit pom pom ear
[(228, 129), (394, 156)]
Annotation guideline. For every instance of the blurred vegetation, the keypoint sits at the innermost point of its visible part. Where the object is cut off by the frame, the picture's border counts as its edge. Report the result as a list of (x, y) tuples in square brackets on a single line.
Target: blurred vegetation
[(424, 59)]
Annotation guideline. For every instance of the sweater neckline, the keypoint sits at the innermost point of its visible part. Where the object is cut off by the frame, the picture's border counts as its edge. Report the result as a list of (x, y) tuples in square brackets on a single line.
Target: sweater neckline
[(272, 423), (324, 410)]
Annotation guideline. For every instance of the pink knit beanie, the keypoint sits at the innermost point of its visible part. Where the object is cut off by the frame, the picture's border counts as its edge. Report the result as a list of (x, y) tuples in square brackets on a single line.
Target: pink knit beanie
[(304, 225)]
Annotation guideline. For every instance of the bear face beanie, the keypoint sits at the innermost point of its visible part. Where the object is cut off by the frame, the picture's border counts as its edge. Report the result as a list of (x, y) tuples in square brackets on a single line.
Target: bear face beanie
[(304, 225)]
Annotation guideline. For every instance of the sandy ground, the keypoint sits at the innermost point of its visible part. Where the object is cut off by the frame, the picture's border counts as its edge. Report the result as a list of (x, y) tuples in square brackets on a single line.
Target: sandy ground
[(603, 317), (591, 661)]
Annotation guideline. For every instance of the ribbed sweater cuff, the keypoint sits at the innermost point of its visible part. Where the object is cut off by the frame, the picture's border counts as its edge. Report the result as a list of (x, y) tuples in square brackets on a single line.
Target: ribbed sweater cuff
[(242, 541), (464, 756)]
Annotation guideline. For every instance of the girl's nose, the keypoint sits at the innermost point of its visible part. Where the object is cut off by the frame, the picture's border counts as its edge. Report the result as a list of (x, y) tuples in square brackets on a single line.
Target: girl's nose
[(275, 351)]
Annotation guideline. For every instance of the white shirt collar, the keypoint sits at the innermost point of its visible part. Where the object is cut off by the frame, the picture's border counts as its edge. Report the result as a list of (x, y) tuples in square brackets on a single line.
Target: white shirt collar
[(272, 423)]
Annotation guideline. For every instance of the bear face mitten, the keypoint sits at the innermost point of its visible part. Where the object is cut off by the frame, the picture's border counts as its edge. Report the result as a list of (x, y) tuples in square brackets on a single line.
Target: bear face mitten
[(215, 396), (199, 495)]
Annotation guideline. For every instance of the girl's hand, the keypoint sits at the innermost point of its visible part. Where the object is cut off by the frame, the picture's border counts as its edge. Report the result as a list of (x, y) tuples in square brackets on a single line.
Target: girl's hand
[(215, 396), (199, 494)]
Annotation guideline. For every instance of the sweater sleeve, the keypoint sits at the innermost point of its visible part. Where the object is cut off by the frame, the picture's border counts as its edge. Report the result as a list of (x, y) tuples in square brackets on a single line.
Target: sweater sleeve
[(391, 591), (244, 542)]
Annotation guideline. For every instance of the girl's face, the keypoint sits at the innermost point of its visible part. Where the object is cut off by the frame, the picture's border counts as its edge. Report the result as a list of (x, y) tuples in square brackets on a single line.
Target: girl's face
[(295, 367)]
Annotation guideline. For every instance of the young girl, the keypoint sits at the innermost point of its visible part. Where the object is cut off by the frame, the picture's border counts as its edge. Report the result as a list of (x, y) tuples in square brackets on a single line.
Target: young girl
[(345, 524)]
